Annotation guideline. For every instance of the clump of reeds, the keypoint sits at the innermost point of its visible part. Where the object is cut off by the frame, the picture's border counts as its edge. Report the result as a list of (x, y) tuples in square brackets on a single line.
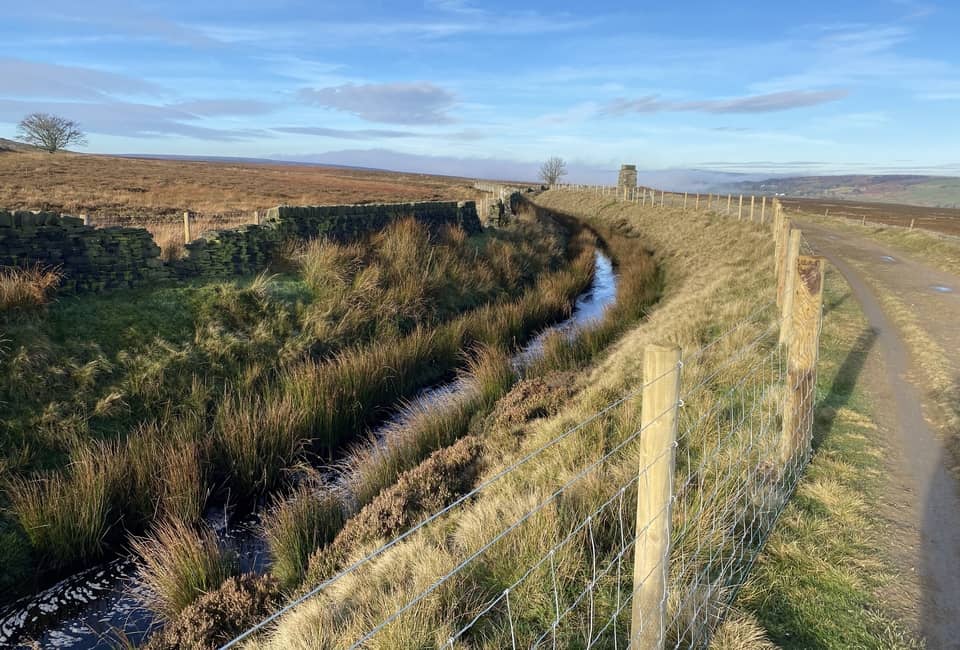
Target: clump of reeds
[(178, 563), (299, 524), (67, 515)]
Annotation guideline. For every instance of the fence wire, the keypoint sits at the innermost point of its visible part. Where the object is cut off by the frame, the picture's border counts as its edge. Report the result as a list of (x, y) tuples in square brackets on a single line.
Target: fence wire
[(556, 568)]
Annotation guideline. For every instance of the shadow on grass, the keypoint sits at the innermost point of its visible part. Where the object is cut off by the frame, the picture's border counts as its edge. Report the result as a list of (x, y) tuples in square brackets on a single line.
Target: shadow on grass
[(836, 302), (842, 388)]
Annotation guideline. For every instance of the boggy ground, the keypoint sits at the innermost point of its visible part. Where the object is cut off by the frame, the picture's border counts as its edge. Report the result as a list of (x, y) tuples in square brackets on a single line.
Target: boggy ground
[(129, 411)]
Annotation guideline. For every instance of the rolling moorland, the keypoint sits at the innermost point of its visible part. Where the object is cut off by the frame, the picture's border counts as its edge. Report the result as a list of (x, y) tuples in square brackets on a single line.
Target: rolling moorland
[(129, 416)]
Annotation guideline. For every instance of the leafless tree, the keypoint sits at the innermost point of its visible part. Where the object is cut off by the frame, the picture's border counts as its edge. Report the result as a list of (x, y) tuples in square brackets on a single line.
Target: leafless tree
[(553, 170), (50, 132)]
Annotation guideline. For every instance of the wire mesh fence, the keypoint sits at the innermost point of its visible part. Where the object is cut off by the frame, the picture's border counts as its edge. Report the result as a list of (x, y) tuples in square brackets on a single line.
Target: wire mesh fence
[(636, 525)]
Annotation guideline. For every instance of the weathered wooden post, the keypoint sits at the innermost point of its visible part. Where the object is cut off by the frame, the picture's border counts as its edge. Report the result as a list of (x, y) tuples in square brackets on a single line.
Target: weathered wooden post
[(662, 194), (698, 201), (654, 496), (752, 203), (186, 227), (802, 349), (763, 210), (789, 283), (729, 198), (86, 219), (740, 209), (684, 200), (912, 221)]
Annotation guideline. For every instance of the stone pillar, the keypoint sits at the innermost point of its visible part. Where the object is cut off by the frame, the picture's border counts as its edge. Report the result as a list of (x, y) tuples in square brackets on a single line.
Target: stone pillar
[(627, 178)]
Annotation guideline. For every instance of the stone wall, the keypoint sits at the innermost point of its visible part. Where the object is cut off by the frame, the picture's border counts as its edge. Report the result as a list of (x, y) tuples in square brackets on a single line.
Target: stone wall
[(92, 259), (97, 259), (343, 222)]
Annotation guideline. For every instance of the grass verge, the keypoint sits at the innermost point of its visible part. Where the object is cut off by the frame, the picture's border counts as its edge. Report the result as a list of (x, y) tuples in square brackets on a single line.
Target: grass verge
[(815, 584)]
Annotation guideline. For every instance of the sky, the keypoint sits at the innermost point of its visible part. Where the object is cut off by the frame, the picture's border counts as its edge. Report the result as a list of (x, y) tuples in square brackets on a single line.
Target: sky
[(489, 89)]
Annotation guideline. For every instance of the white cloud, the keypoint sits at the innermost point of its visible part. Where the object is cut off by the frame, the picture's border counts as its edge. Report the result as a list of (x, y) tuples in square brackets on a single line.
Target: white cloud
[(391, 103)]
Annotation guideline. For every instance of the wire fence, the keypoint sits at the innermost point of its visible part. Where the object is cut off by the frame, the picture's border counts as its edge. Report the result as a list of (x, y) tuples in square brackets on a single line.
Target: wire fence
[(635, 526)]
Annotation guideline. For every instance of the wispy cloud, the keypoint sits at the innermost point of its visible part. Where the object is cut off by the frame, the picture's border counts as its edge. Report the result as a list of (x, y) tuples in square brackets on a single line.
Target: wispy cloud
[(47, 80), (768, 103), (391, 103), (345, 134), (224, 107), (127, 119)]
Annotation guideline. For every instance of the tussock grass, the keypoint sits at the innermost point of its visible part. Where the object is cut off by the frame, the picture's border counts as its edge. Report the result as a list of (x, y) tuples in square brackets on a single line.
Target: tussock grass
[(67, 516), (27, 289), (298, 525), (226, 387), (256, 439), (179, 563)]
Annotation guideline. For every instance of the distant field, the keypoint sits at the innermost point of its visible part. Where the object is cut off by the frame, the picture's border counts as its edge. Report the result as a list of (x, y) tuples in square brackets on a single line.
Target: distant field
[(942, 220), (105, 186), (929, 191)]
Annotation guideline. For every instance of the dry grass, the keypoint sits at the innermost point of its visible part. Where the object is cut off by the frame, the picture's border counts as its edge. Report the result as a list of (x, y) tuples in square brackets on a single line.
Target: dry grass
[(105, 186), (297, 525), (27, 289), (716, 274), (178, 564)]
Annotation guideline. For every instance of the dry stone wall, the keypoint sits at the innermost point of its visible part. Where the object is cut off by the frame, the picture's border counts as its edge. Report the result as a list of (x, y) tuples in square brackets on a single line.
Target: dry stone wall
[(92, 259), (98, 259)]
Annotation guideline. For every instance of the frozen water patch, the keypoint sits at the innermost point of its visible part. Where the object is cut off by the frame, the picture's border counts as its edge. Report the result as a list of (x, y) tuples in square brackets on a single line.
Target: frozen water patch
[(940, 288)]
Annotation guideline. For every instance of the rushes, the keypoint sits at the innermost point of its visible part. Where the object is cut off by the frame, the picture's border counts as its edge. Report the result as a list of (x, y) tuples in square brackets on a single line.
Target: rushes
[(66, 516), (257, 439), (298, 525), (178, 564)]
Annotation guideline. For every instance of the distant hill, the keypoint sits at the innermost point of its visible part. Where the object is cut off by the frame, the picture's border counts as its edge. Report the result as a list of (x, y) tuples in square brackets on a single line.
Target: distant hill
[(10, 145), (928, 191)]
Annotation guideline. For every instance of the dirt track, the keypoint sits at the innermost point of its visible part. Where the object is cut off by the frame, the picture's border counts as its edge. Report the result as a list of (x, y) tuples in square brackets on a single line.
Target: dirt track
[(921, 503)]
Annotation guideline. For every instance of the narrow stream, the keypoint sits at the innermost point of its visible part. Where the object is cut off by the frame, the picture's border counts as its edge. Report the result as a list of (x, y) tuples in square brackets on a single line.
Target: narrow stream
[(86, 610)]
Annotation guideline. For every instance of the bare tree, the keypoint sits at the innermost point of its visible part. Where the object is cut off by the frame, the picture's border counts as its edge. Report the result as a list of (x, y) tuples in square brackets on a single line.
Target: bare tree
[(553, 170), (50, 132)]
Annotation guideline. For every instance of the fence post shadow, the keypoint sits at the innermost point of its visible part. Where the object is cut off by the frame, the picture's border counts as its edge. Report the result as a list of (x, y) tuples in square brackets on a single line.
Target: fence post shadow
[(841, 389)]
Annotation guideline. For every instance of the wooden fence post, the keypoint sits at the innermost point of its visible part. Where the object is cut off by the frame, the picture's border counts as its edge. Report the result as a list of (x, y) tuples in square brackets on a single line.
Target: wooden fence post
[(86, 219), (654, 496), (789, 283), (763, 210), (662, 194), (729, 197), (802, 348), (740, 209), (186, 227), (698, 201), (684, 200), (783, 233), (752, 203)]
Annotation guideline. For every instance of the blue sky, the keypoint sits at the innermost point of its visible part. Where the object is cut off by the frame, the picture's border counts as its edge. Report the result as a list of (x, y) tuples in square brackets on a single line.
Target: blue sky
[(485, 87)]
